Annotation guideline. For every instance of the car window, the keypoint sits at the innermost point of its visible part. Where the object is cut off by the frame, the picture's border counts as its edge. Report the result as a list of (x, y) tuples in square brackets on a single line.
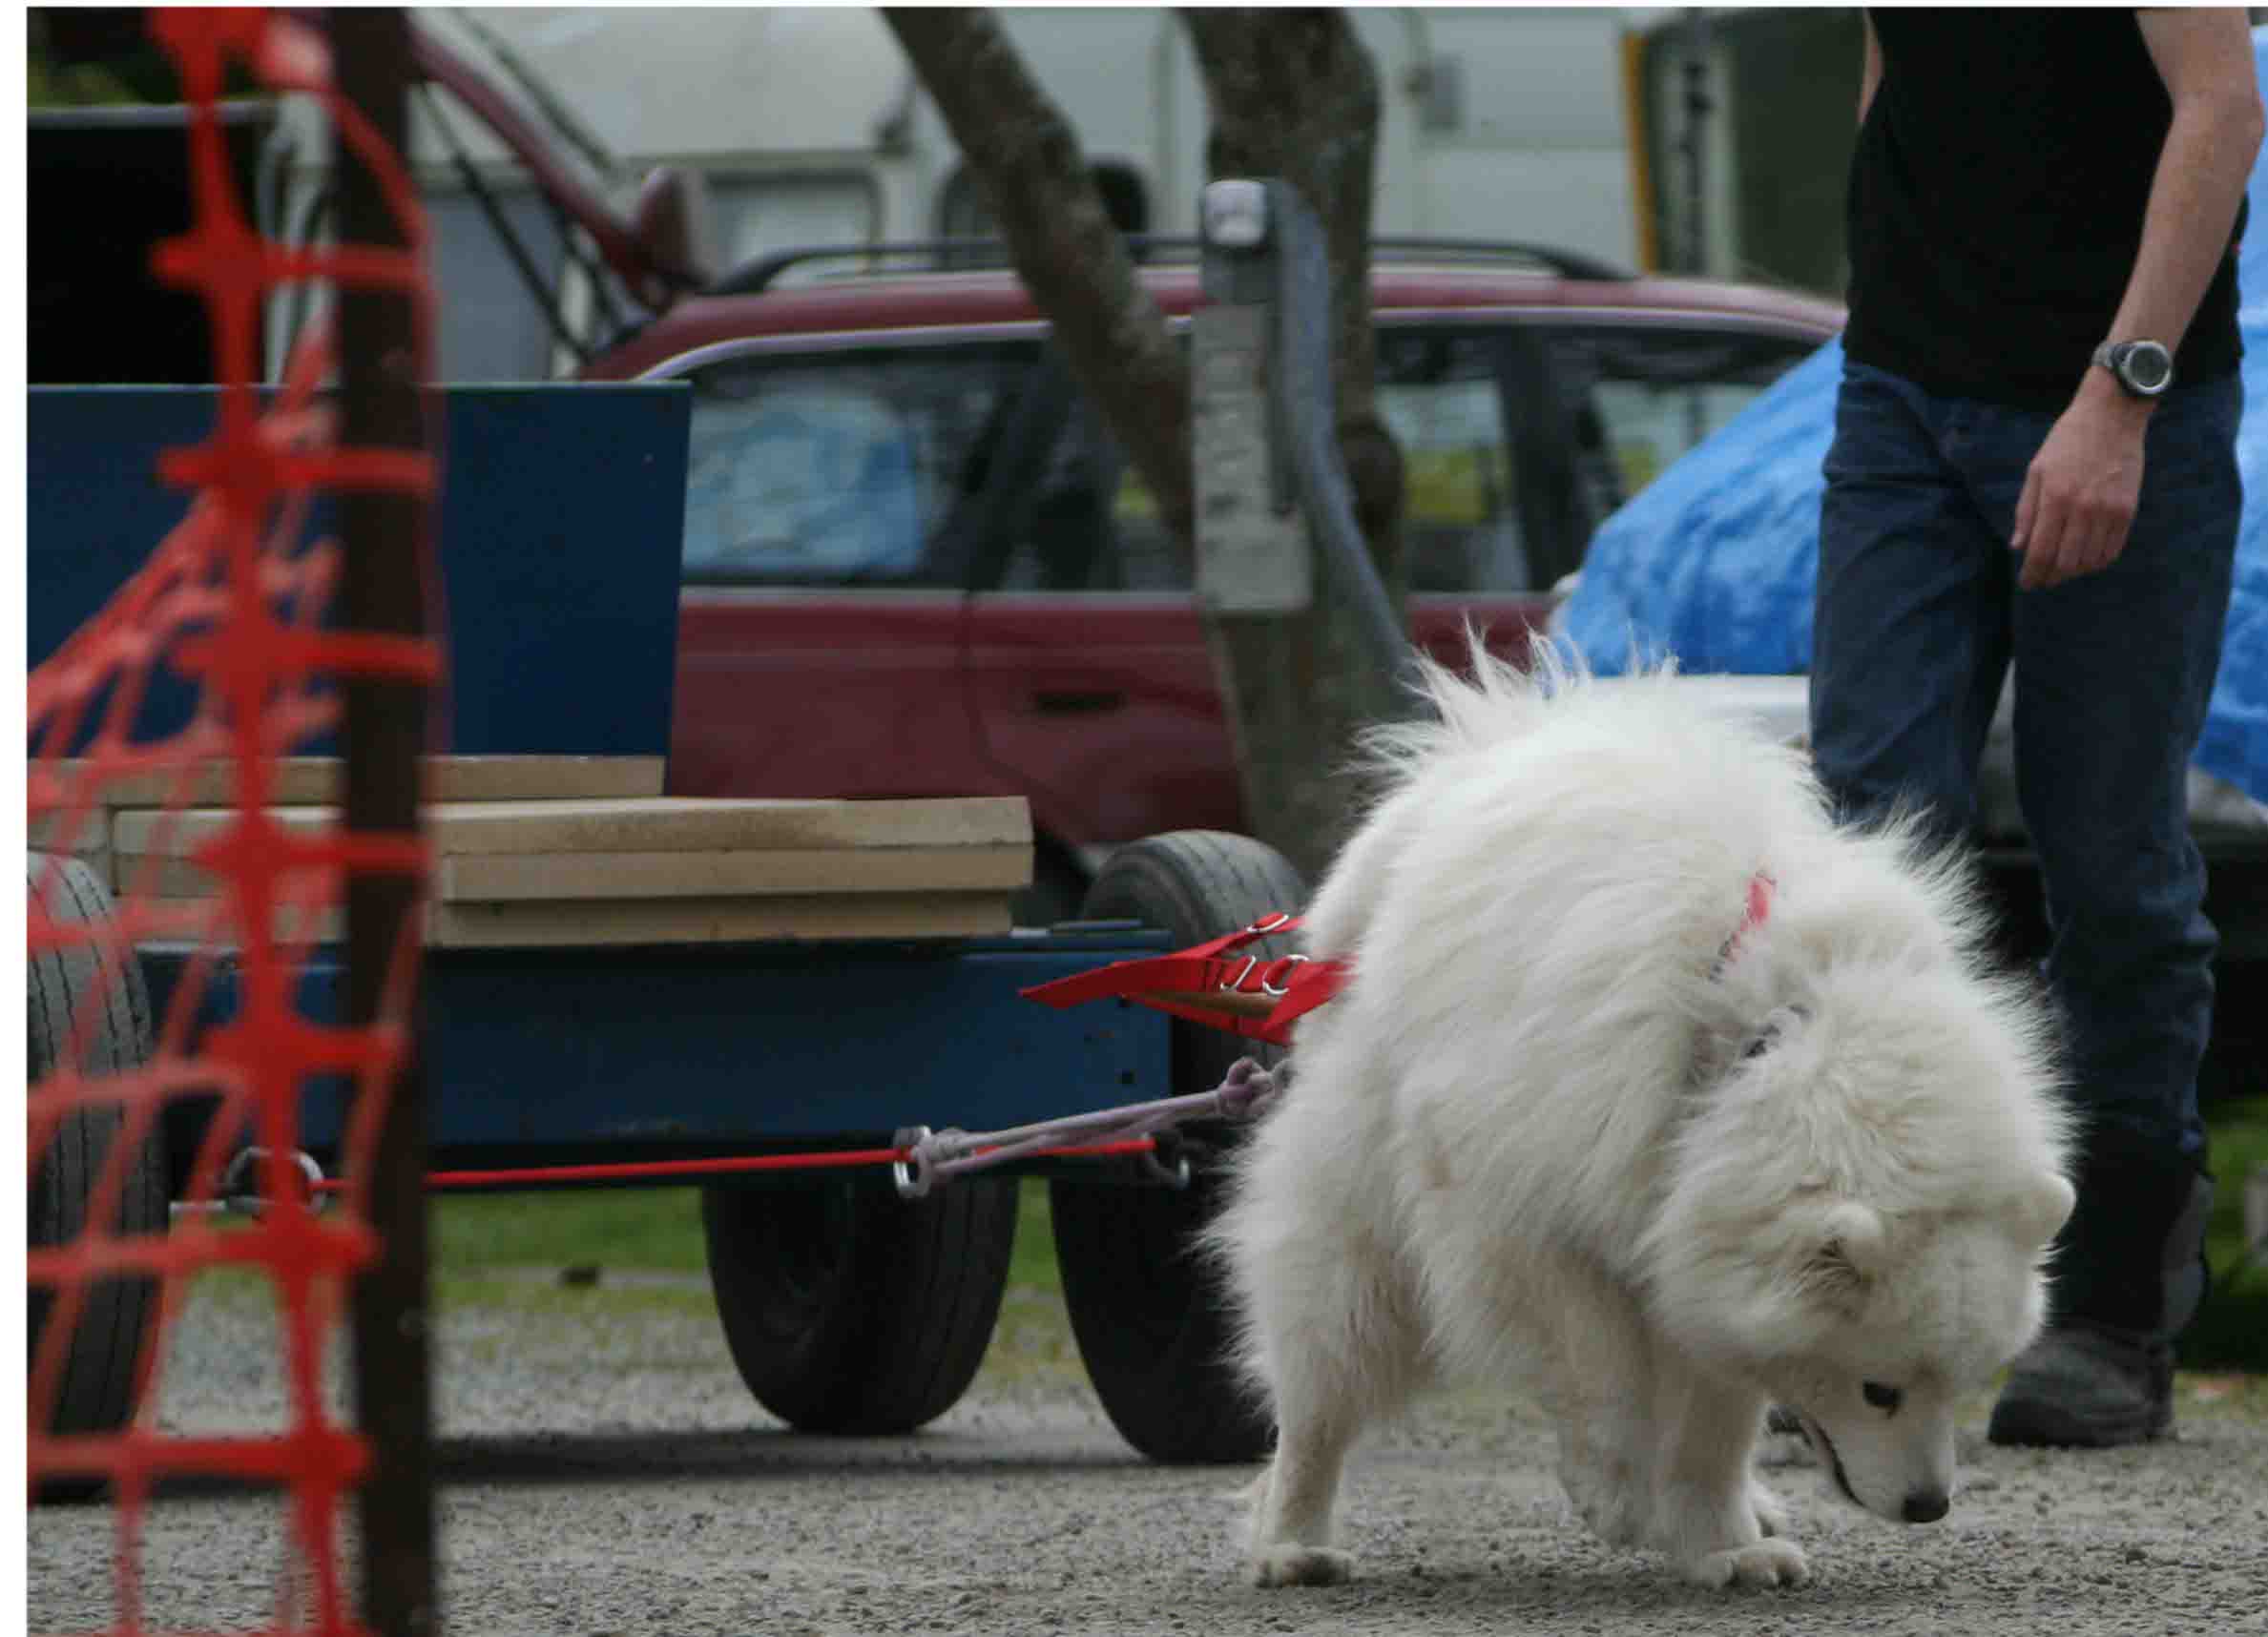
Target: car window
[(839, 470), (1063, 533), (1518, 439), (1440, 395), (1657, 392)]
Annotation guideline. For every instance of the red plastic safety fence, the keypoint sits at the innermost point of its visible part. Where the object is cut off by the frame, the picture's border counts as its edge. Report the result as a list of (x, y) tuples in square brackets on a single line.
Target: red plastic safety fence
[(233, 600)]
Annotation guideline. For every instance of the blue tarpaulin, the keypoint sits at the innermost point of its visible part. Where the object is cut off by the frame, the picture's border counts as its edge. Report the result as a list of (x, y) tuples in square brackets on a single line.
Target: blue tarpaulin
[(1714, 561)]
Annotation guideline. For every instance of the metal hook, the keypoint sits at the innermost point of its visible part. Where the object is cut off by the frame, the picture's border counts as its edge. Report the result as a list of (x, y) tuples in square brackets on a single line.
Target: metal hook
[(237, 1196), (914, 1181), (1289, 960)]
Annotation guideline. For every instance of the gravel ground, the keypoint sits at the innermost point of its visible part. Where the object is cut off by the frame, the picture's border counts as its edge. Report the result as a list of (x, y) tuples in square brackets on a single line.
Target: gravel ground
[(603, 1471)]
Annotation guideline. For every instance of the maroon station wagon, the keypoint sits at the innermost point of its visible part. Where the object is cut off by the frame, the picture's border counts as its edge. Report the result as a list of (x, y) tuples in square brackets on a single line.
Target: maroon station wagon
[(916, 563)]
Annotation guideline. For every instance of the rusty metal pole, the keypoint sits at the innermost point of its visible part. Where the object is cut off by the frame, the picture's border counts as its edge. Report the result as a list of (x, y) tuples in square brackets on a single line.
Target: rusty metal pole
[(381, 591)]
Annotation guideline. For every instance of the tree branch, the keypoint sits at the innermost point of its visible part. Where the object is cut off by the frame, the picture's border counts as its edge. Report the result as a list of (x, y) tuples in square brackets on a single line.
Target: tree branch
[(1023, 155)]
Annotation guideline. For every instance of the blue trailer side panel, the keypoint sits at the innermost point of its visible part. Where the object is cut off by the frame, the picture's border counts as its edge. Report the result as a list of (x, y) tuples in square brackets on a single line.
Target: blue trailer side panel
[(561, 534), (754, 1044)]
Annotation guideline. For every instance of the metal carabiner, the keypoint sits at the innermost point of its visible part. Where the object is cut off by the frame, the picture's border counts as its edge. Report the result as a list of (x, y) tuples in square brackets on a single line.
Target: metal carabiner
[(1235, 984), (914, 1181), (1176, 1178), (236, 1197), (1271, 990)]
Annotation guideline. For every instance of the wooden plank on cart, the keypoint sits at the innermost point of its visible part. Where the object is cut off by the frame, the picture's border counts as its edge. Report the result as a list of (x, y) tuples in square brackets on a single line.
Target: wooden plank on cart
[(670, 870), (649, 824), (303, 780), (523, 877), (576, 924), (604, 922)]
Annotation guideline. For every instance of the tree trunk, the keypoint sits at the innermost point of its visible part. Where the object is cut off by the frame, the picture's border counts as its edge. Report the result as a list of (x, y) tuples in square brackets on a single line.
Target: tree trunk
[(1070, 254), (1294, 96)]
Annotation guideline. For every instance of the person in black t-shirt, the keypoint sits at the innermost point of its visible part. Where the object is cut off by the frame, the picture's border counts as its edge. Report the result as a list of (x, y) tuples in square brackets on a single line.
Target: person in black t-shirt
[(2034, 469)]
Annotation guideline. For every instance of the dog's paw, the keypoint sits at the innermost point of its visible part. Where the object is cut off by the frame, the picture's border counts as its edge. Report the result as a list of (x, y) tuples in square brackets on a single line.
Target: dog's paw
[(1767, 1563), (1771, 1513), (1609, 1499), (1616, 1519), (1294, 1564)]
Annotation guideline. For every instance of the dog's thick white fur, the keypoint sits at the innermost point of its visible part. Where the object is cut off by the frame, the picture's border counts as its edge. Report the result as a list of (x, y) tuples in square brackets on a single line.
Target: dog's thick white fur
[(1570, 1123)]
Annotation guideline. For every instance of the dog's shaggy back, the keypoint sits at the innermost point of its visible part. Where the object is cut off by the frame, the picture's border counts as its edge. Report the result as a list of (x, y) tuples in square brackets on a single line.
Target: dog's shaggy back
[(1656, 1088), (1553, 987)]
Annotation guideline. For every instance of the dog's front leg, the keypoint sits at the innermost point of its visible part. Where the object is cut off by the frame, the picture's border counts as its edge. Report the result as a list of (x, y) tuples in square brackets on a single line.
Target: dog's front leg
[(1706, 1510), (1291, 1521), (1600, 1386)]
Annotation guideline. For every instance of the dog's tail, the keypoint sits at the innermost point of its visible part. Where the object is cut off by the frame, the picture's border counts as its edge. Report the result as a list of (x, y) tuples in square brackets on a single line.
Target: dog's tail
[(1476, 706), (1462, 709)]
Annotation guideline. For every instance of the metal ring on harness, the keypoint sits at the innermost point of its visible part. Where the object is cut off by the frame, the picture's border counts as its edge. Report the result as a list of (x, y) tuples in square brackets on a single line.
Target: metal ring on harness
[(1235, 984), (914, 1181), (1269, 923), (235, 1195), (1274, 990), (1176, 1177)]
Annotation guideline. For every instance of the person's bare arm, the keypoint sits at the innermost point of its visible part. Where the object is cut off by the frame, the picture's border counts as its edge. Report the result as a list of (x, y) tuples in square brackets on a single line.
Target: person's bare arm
[(2079, 496)]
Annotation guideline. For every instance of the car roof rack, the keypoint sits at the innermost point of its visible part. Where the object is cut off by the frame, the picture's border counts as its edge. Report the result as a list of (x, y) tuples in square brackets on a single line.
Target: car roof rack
[(946, 255)]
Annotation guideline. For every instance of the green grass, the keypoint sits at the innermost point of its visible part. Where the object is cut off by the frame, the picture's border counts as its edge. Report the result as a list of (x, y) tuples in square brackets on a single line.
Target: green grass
[(655, 1230), (2231, 1331), (647, 1229), (1032, 1267)]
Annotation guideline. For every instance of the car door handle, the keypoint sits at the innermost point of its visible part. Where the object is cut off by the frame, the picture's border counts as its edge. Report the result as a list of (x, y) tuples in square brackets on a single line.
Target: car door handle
[(1076, 702)]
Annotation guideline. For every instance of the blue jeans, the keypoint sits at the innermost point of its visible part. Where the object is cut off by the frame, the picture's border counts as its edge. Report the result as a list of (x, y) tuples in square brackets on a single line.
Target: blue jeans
[(1917, 622)]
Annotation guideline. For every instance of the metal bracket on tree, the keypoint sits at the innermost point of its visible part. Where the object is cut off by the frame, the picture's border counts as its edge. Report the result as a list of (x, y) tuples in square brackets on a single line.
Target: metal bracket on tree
[(1265, 447)]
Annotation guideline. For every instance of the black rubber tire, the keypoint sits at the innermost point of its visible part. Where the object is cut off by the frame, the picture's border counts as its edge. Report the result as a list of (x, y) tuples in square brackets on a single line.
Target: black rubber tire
[(118, 1316), (851, 1310), (1151, 1319), (1058, 885)]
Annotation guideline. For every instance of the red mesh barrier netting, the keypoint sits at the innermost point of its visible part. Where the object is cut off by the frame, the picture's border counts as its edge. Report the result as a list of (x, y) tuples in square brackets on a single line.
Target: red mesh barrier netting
[(233, 601)]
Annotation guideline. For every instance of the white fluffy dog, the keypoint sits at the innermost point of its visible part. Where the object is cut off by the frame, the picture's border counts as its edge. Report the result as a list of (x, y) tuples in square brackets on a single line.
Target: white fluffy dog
[(1655, 1090)]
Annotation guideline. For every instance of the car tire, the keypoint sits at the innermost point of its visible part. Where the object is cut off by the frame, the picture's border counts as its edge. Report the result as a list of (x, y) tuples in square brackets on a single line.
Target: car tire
[(850, 1311), (118, 1316), (1151, 1319)]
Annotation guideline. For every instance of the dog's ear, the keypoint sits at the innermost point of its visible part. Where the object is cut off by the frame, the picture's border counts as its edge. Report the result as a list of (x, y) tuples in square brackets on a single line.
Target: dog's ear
[(1846, 1246), (2042, 1207)]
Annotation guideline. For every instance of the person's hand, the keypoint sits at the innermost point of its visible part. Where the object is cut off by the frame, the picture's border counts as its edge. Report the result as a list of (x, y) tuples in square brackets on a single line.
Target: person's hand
[(2080, 493)]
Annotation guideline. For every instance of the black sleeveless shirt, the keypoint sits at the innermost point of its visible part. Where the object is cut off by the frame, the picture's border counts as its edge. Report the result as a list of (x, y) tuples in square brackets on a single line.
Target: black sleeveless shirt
[(1996, 200)]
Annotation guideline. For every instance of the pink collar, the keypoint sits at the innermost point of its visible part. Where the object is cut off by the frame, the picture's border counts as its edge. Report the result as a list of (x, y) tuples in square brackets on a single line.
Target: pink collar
[(1761, 887)]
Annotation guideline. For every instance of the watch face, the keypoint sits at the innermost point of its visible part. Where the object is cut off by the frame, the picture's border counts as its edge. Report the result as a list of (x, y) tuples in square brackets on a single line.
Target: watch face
[(2147, 367)]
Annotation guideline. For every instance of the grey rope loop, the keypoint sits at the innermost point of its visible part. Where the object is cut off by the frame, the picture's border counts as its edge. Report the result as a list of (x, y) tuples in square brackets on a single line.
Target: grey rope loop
[(939, 1157)]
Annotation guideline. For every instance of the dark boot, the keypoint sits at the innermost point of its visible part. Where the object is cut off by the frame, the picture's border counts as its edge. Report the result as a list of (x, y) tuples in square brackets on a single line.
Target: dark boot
[(2081, 1387), (2129, 1278)]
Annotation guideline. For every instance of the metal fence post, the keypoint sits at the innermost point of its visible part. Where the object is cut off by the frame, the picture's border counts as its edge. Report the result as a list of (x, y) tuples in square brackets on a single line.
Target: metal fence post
[(381, 591)]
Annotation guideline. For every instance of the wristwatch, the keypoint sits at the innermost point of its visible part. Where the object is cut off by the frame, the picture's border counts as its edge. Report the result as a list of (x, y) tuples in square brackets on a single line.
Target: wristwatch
[(2142, 368)]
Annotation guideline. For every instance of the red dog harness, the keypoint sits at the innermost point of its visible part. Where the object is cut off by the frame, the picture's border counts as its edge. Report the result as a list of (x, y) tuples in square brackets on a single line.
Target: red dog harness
[(1212, 984), (1261, 1000)]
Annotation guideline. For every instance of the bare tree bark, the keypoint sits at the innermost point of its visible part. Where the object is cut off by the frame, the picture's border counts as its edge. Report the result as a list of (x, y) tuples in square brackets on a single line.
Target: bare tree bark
[(1026, 159), (1294, 94)]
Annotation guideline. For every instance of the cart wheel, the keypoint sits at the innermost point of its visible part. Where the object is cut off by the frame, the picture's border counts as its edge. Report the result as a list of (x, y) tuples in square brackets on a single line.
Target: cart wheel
[(97, 1389), (849, 1310), (1152, 1322)]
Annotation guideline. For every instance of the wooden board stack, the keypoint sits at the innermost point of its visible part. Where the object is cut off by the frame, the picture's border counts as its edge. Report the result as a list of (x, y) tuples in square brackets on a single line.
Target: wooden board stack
[(560, 852)]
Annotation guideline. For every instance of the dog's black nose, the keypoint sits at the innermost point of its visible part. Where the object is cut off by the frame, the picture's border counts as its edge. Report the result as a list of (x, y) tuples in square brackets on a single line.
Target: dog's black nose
[(1926, 1506)]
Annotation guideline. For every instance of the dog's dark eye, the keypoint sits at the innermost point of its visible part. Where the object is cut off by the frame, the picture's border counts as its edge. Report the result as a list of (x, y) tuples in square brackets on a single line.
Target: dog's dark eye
[(1882, 1398)]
